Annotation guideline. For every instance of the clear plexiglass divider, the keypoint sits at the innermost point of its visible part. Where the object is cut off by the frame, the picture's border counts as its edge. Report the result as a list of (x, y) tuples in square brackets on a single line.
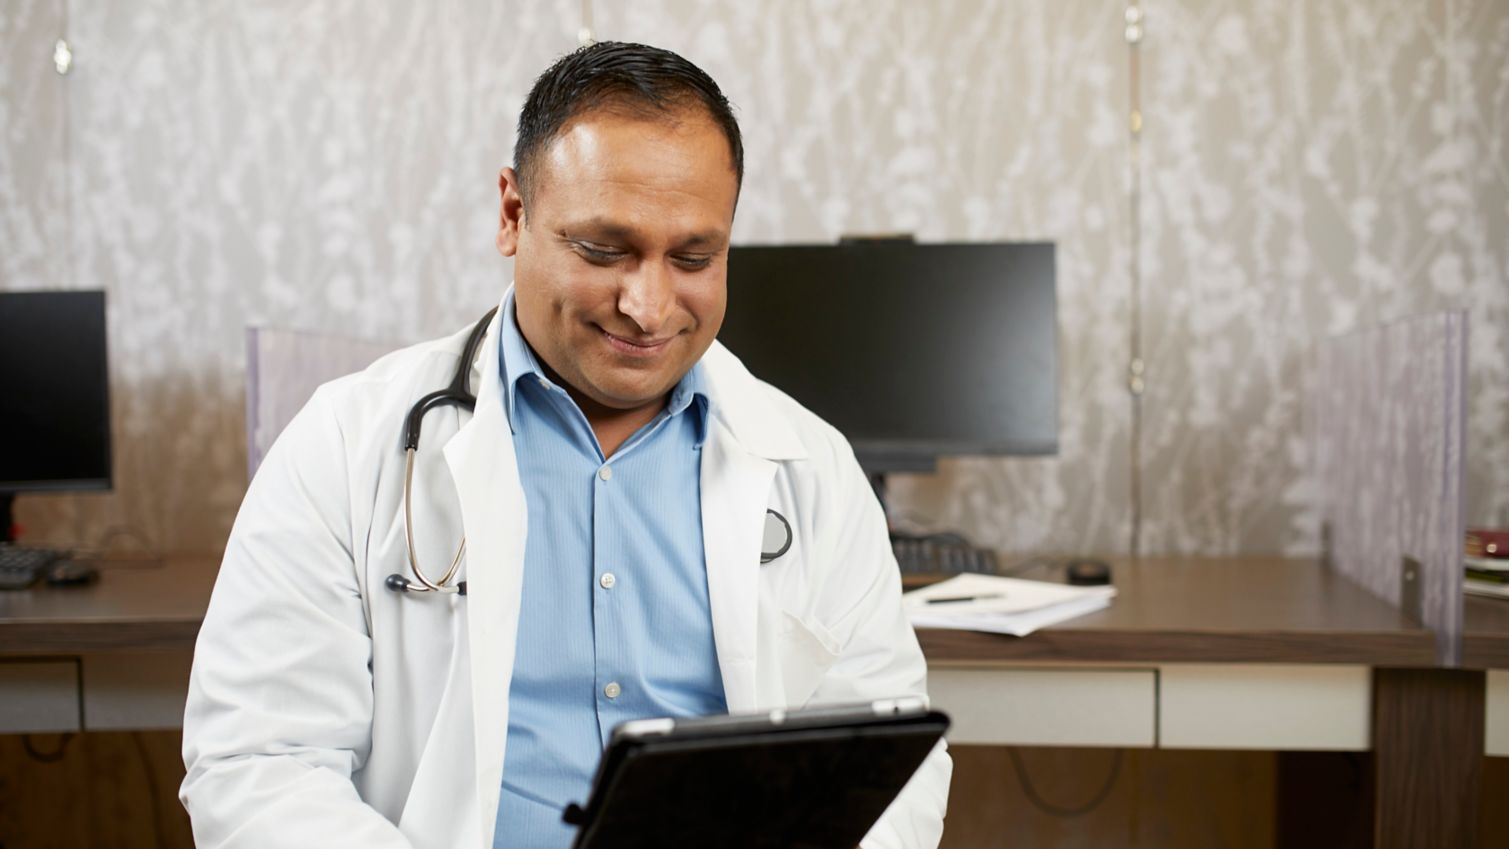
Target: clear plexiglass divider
[(284, 367), (1389, 433)]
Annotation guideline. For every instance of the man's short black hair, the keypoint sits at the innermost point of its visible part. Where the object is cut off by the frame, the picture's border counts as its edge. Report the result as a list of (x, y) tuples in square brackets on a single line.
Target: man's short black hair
[(620, 75)]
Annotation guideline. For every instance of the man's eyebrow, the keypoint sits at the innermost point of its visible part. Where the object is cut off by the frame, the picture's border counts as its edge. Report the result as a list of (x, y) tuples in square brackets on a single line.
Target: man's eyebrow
[(709, 239), (602, 228)]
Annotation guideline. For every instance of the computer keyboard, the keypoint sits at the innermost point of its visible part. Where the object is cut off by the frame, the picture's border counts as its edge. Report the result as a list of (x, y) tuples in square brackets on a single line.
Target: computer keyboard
[(20, 567), (941, 556)]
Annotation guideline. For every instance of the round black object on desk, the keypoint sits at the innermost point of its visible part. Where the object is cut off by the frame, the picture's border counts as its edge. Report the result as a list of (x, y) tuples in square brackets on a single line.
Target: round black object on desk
[(1088, 573), (71, 573)]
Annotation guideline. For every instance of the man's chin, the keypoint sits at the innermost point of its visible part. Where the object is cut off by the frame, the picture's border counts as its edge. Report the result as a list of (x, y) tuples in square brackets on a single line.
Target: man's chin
[(627, 397)]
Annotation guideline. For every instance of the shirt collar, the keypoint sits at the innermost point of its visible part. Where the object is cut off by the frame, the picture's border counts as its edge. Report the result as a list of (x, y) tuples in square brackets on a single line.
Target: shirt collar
[(517, 361), (691, 392)]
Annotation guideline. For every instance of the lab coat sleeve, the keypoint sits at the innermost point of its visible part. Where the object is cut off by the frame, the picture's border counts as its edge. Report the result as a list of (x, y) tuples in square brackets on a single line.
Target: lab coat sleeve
[(279, 710), (879, 655)]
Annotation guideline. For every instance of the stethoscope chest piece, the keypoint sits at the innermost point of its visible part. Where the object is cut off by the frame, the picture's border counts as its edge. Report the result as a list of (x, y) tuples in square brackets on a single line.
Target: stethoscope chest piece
[(777, 538)]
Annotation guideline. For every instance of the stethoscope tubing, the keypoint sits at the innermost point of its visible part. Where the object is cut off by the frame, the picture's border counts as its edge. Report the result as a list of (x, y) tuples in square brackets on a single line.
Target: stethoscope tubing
[(457, 394), (444, 584)]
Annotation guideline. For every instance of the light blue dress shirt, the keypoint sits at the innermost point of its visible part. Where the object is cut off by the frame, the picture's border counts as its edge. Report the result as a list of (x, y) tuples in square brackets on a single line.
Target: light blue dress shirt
[(614, 622)]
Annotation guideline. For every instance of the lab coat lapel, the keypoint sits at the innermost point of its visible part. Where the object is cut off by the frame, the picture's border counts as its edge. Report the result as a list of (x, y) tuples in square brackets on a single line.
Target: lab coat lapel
[(482, 462), (746, 443), (735, 487)]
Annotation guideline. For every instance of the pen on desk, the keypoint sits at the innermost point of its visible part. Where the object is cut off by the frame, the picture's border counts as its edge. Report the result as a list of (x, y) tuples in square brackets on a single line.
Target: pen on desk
[(950, 599)]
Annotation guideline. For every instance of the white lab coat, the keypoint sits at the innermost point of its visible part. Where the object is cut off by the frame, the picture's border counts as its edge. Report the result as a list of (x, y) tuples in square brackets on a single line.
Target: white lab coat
[(326, 710)]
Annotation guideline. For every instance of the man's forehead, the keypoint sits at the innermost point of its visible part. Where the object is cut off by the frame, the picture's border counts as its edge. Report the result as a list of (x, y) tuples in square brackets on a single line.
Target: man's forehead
[(678, 151), (623, 176)]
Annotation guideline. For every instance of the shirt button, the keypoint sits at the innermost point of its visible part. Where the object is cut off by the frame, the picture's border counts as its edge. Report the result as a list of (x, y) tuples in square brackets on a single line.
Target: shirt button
[(606, 473), (612, 690), (607, 580)]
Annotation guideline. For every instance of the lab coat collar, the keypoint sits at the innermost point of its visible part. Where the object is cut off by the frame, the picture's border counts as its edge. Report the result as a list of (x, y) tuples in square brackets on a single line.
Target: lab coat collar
[(742, 403)]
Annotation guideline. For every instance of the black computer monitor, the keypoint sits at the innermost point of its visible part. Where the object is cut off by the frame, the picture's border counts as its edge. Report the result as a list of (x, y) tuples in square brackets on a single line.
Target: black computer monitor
[(54, 381), (913, 351)]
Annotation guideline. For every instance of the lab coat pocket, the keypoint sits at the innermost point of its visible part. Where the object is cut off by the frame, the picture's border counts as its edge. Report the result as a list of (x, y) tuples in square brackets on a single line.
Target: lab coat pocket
[(806, 653)]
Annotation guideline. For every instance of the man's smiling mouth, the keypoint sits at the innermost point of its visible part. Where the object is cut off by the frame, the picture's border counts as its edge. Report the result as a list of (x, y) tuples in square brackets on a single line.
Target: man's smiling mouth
[(637, 349)]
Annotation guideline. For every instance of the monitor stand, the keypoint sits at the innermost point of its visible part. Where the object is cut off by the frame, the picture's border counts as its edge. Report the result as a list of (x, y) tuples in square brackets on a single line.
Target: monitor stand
[(6, 518), (877, 483), (872, 460)]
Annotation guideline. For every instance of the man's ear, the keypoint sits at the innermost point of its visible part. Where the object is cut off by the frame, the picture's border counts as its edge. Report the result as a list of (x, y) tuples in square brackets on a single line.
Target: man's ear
[(511, 212)]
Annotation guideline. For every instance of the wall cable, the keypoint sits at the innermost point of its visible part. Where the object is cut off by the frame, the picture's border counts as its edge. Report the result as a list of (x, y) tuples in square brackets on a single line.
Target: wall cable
[(1029, 789), (48, 757)]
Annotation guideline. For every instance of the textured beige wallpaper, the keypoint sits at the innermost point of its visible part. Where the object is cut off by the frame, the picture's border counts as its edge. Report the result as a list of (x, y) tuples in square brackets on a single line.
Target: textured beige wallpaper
[(1312, 168), (1308, 168)]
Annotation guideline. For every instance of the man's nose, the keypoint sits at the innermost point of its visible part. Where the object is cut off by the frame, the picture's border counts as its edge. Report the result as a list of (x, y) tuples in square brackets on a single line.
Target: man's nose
[(647, 297)]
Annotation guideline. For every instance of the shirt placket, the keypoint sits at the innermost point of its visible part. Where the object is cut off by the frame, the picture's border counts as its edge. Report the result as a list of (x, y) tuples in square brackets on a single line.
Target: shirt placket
[(611, 671), (607, 624)]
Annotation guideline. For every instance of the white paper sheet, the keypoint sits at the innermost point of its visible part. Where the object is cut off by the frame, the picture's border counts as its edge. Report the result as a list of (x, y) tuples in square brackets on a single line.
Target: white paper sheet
[(1010, 605)]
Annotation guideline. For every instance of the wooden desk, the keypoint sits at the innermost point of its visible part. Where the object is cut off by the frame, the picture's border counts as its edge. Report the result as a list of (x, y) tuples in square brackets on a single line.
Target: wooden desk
[(1187, 610), (1230, 646), (112, 655), (134, 606), (1258, 610), (1214, 649), (1485, 633)]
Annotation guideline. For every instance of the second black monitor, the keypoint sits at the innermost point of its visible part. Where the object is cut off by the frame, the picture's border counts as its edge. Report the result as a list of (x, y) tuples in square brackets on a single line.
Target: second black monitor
[(54, 376), (912, 351)]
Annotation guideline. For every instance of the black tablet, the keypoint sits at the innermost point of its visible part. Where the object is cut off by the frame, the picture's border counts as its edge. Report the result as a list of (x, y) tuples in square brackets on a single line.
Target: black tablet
[(815, 778)]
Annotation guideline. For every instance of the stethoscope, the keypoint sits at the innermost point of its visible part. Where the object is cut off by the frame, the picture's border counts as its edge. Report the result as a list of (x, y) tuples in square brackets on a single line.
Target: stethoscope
[(458, 394), (775, 543)]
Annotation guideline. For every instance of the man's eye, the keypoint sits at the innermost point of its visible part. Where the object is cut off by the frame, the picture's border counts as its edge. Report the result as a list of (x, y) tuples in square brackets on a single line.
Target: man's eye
[(598, 254), (692, 263)]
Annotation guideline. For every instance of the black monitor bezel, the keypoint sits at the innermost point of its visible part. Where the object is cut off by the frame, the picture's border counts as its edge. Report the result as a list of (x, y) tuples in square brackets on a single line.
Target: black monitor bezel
[(90, 484), (881, 456)]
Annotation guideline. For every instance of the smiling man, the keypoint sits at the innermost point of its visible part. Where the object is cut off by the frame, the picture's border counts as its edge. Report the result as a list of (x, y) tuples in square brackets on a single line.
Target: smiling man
[(620, 249), (612, 487)]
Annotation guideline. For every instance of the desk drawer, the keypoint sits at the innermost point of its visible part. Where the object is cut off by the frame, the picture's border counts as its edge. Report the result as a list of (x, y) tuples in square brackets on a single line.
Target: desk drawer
[(1047, 707), (136, 690), (39, 696), (1312, 707)]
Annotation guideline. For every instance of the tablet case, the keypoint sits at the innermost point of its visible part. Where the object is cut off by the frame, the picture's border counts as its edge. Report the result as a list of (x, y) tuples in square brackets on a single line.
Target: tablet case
[(804, 782)]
